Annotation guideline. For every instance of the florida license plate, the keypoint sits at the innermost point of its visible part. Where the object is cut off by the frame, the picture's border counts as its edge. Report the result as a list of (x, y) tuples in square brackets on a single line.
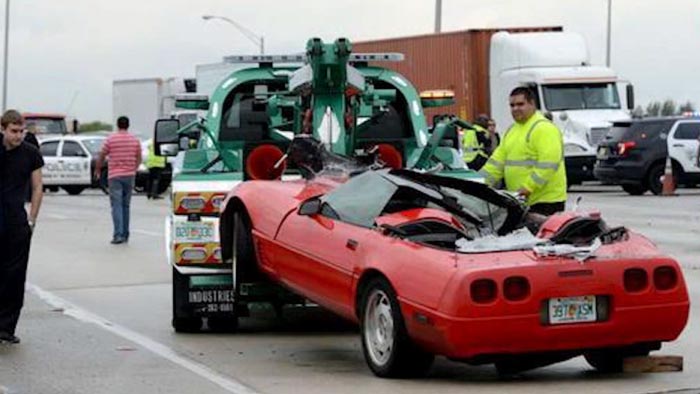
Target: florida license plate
[(197, 232), (565, 310)]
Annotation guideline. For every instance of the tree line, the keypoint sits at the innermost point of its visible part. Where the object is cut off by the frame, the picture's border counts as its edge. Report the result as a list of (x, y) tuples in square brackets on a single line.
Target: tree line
[(664, 108)]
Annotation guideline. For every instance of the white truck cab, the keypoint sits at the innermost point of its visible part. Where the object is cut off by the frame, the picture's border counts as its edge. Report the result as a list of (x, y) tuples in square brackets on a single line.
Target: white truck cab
[(582, 99)]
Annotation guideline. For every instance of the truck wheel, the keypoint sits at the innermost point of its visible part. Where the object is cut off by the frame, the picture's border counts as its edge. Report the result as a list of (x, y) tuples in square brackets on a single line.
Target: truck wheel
[(634, 189), (388, 350), (73, 190), (654, 176), (181, 322), (223, 323)]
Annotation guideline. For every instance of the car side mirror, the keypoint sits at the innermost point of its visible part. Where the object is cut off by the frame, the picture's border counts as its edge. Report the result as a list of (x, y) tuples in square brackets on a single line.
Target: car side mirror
[(630, 96), (310, 207), (166, 137)]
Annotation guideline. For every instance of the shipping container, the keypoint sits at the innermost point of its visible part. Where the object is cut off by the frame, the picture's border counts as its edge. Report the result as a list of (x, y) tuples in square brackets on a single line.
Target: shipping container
[(458, 61)]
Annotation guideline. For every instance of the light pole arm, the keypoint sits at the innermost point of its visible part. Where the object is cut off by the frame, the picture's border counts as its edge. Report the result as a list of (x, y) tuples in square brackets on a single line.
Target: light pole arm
[(254, 38)]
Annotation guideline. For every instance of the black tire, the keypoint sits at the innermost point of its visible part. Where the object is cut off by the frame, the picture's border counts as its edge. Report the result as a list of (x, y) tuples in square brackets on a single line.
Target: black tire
[(223, 323), (181, 321), (610, 360), (401, 358), (654, 175), (73, 190), (634, 189), (103, 182), (245, 261)]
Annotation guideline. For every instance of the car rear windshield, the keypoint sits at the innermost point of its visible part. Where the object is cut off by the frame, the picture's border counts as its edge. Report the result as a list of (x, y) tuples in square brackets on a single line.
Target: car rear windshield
[(630, 131)]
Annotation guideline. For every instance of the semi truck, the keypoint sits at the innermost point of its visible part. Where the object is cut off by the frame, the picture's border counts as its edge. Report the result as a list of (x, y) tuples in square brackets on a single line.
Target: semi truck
[(482, 66)]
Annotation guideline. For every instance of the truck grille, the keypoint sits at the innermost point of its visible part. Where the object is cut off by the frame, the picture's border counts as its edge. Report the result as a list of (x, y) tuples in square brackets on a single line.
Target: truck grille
[(598, 134)]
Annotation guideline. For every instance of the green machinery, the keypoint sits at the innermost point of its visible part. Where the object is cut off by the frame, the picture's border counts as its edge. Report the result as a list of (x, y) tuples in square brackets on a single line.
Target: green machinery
[(329, 93)]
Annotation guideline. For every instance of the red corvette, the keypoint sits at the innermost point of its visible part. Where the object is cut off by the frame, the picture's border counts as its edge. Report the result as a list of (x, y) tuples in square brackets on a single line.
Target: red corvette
[(429, 265)]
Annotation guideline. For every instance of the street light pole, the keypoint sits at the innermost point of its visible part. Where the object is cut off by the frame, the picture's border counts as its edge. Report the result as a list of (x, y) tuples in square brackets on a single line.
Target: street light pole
[(256, 39), (4, 67), (607, 55), (438, 16)]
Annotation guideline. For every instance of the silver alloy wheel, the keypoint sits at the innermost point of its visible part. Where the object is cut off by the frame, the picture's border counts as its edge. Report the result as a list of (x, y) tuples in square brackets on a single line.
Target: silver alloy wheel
[(379, 327)]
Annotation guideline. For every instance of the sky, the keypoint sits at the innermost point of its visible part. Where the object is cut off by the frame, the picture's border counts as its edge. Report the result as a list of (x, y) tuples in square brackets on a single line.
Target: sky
[(64, 55)]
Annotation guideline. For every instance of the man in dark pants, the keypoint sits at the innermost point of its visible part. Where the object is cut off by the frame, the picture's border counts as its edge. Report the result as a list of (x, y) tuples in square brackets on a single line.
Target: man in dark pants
[(20, 163)]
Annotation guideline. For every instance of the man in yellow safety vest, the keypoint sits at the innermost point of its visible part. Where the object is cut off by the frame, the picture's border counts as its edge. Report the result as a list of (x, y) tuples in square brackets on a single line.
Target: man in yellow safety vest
[(155, 165), (530, 158), (476, 144)]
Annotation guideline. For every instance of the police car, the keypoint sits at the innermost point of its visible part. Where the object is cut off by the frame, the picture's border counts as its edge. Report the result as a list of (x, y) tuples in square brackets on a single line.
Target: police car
[(634, 153), (69, 162)]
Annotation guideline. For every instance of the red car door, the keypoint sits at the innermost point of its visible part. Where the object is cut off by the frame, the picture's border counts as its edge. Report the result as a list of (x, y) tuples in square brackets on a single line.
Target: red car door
[(317, 256)]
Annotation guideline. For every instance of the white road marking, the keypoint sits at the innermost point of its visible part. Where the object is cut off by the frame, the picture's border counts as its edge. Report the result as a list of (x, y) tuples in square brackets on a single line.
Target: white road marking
[(146, 232), (57, 216), (228, 384)]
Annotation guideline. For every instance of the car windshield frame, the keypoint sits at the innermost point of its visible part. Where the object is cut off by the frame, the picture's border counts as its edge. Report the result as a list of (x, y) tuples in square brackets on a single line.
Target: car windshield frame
[(581, 96), (89, 144)]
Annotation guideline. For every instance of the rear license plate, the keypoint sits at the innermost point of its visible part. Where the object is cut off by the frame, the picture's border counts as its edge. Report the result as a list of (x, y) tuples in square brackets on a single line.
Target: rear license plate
[(196, 232), (602, 153), (566, 310)]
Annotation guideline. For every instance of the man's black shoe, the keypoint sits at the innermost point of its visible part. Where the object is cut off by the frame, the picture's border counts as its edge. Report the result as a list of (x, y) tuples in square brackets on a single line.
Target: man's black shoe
[(116, 241), (6, 338)]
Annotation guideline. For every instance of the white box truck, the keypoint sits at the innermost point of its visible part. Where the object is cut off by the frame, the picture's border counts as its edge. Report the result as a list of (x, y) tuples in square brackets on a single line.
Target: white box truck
[(144, 101)]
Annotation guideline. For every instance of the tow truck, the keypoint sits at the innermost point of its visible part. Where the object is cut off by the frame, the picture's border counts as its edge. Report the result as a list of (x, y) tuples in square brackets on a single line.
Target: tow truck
[(329, 93)]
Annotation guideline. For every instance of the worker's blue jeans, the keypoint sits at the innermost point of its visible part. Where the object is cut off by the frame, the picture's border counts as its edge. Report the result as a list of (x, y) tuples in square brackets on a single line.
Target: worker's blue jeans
[(120, 197)]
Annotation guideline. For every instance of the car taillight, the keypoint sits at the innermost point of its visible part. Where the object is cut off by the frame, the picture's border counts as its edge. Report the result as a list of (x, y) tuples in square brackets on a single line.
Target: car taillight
[(636, 280), (623, 148), (516, 288), (483, 291), (665, 278)]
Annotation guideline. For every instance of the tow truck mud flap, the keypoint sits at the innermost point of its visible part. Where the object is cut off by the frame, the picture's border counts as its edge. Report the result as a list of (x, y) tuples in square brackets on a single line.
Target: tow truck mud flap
[(203, 295)]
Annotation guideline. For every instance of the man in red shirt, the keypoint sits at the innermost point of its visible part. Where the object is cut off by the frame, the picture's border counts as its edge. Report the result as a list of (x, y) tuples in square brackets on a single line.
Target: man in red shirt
[(124, 151)]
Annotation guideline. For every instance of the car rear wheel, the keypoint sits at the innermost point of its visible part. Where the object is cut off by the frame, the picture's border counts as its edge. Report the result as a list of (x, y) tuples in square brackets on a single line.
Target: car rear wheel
[(103, 182), (654, 178), (634, 189), (388, 350), (74, 190)]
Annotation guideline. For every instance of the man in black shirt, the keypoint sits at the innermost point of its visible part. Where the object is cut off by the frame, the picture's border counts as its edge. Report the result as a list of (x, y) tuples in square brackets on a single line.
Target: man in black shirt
[(19, 163)]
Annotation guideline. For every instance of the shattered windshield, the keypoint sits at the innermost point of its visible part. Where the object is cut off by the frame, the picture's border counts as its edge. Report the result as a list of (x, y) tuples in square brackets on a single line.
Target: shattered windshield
[(492, 215), (374, 193), (360, 200)]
